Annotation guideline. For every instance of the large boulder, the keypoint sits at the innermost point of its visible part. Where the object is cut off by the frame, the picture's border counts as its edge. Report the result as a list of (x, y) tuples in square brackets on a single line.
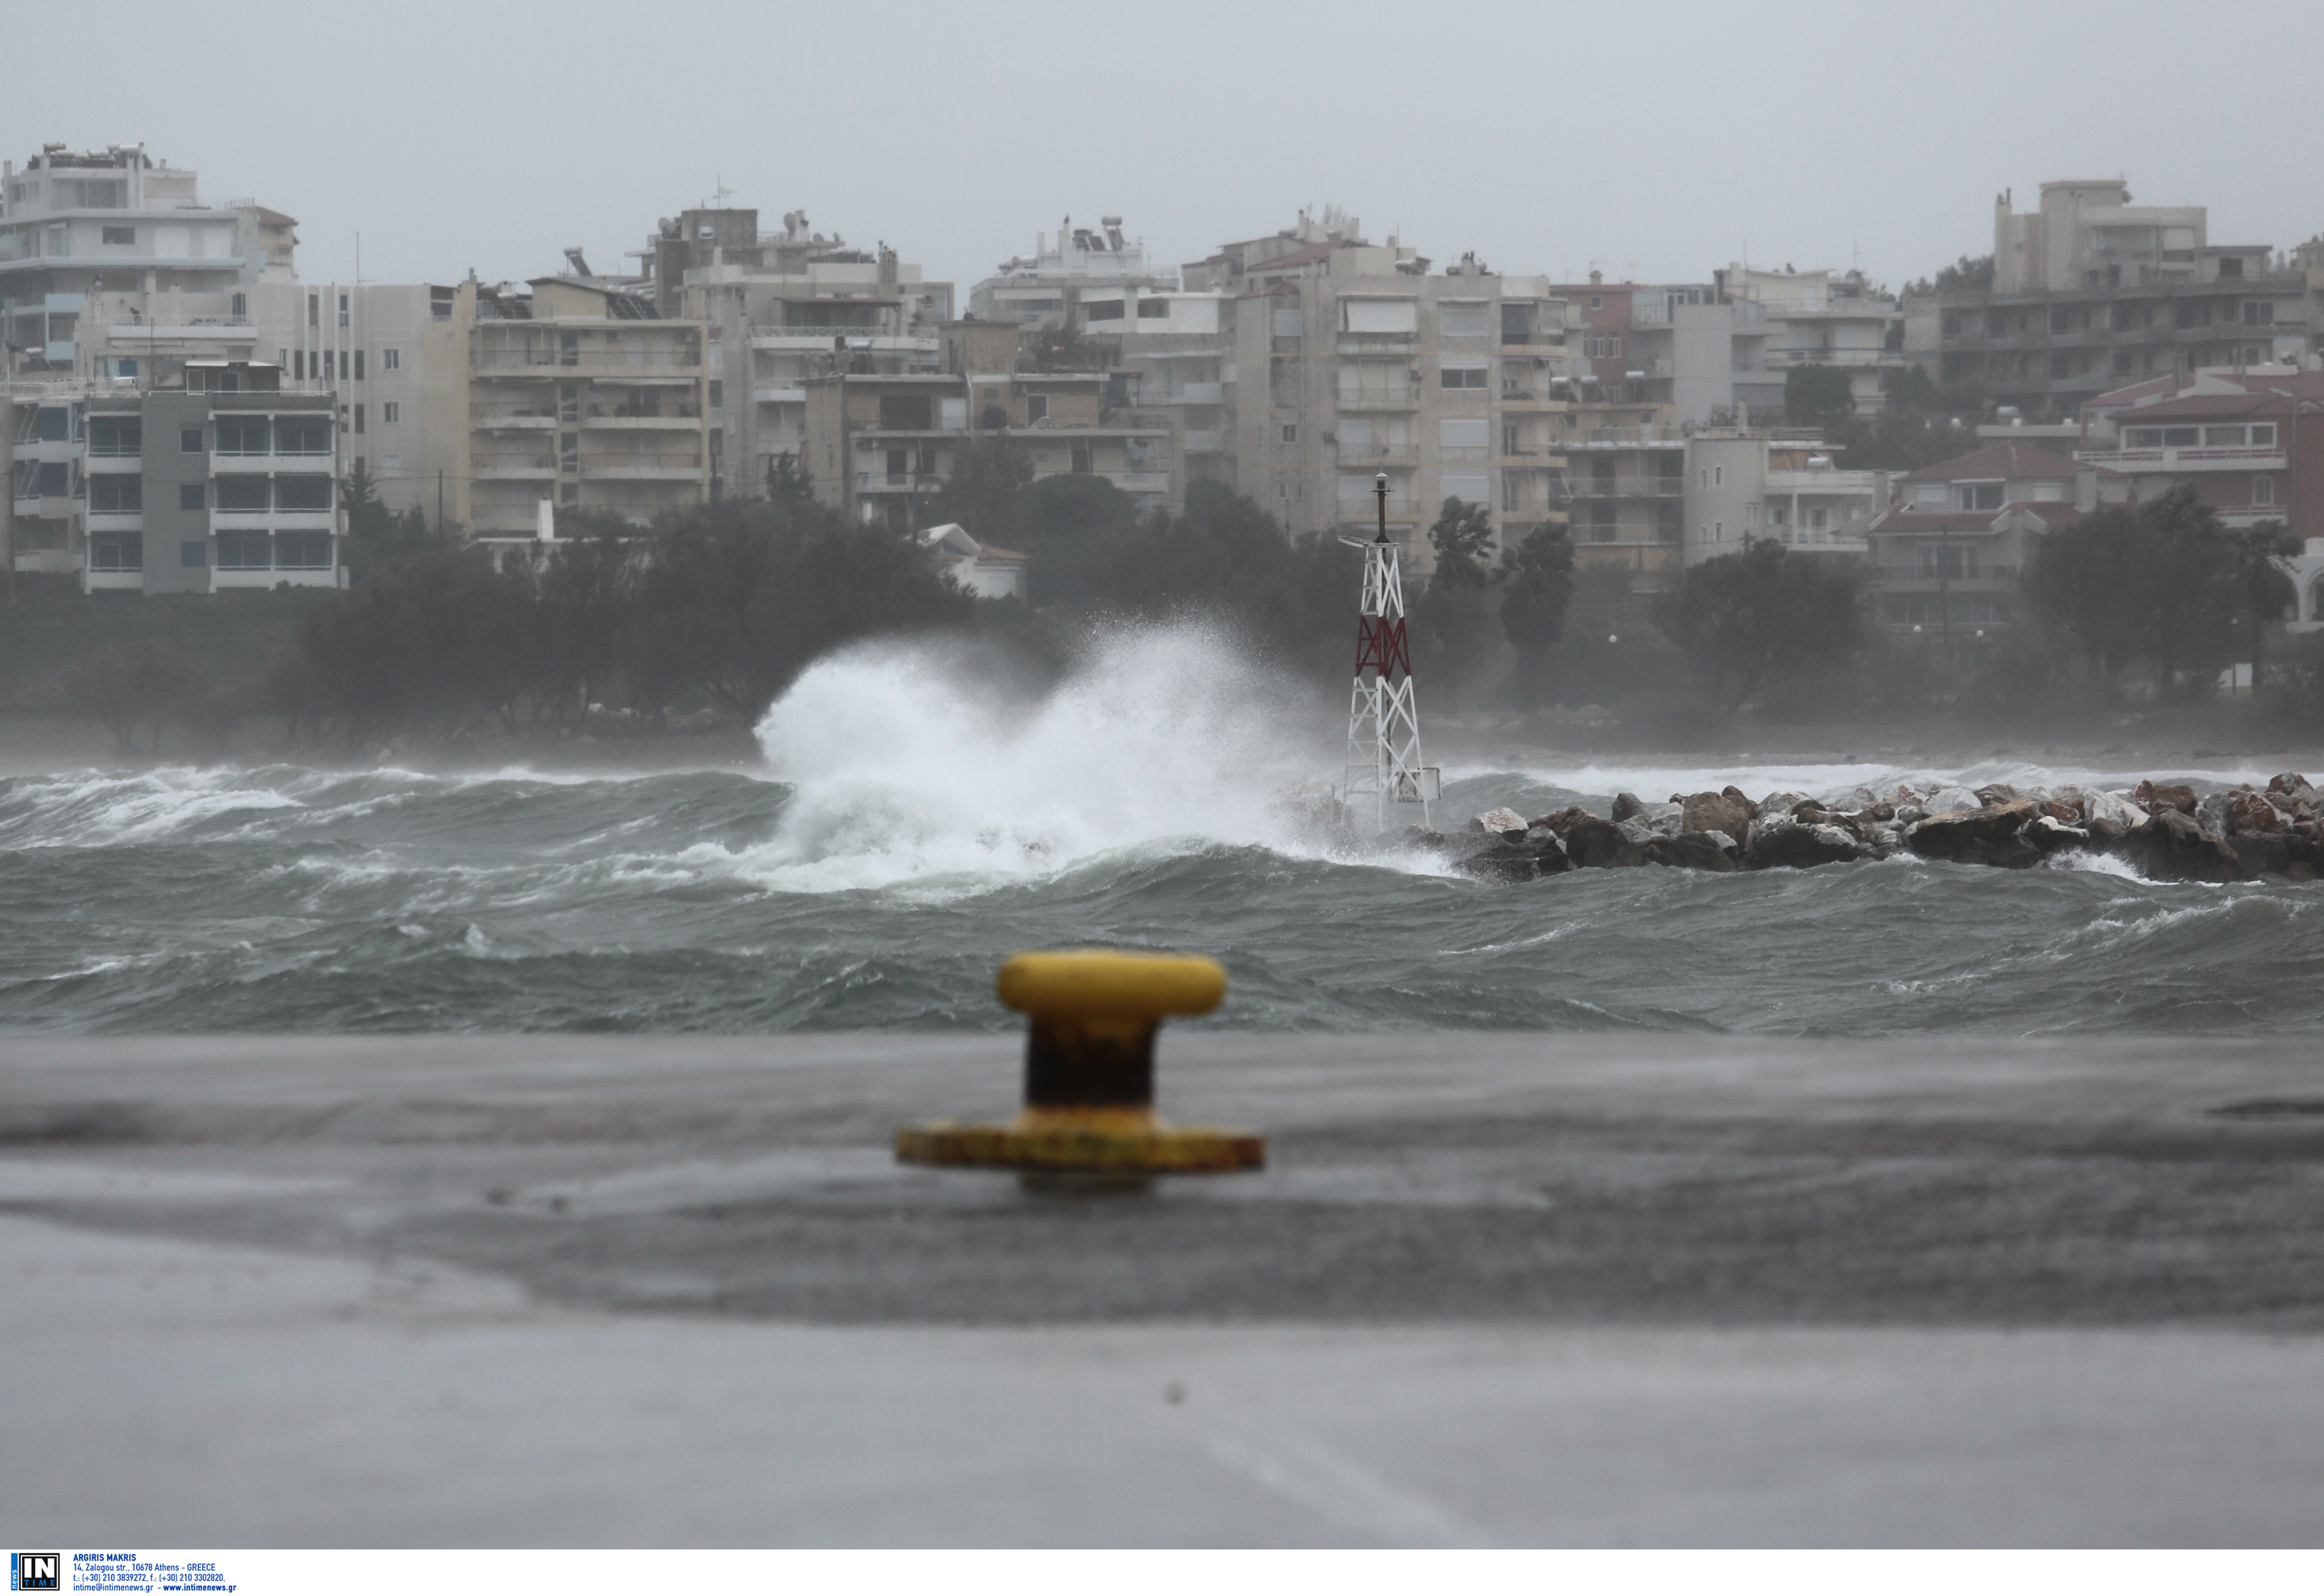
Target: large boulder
[(1727, 811), (1500, 860), (2110, 817), (2050, 834), (1627, 806), (1506, 823), (1953, 800), (1594, 844), (1978, 836), (1543, 843), (2264, 852), (2181, 797), (1693, 850), (1778, 803), (1779, 841), (2171, 847), (2251, 815)]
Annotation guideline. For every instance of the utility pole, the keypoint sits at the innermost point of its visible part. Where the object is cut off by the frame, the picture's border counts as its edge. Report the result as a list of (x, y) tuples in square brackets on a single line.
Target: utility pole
[(1383, 724)]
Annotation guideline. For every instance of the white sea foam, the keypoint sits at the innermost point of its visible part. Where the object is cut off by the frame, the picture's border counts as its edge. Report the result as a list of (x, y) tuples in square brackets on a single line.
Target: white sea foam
[(1166, 740)]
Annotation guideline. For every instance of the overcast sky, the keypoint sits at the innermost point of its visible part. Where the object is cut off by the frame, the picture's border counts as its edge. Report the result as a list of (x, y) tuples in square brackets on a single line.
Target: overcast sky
[(1652, 141)]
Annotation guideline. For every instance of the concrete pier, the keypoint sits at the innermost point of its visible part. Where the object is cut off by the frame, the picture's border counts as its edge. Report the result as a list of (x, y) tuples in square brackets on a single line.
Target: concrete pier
[(1494, 1288)]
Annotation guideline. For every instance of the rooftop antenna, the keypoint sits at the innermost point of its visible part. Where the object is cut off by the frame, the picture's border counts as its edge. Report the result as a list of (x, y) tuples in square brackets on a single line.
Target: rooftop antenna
[(1383, 724)]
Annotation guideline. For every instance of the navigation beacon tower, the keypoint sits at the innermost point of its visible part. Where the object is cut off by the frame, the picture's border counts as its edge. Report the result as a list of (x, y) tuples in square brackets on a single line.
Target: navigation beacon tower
[(1383, 725)]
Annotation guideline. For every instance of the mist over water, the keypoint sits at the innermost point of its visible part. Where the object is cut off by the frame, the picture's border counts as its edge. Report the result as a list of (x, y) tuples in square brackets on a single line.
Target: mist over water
[(912, 826)]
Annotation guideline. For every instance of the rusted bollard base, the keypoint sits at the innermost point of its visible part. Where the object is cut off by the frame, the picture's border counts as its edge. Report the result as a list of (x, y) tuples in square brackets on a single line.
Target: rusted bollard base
[(1124, 1145)]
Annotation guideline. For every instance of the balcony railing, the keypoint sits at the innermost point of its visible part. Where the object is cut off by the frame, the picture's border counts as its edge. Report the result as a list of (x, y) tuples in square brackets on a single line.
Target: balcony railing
[(547, 361), (1632, 487)]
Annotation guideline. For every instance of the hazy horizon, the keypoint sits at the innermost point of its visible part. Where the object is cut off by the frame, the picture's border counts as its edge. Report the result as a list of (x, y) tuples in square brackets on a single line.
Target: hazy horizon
[(1547, 140)]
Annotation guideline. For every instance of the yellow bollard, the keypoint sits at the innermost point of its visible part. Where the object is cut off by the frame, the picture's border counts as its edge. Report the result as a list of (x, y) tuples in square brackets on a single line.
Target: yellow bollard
[(1089, 1076)]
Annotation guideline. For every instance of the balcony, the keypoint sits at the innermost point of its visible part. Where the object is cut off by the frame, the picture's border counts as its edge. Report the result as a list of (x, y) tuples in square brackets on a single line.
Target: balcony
[(1207, 442), (1628, 487), (677, 417), (2245, 459), (643, 467), (1394, 399), (514, 467), (778, 395), (505, 419), (584, 363), (1375, 457)]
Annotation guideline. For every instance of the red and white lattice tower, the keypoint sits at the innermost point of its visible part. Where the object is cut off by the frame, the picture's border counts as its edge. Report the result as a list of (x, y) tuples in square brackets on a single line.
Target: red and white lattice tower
[(1383, 724)]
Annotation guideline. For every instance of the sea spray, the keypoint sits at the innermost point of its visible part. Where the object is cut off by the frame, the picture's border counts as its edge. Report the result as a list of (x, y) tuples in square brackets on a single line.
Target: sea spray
[(1167, 737)]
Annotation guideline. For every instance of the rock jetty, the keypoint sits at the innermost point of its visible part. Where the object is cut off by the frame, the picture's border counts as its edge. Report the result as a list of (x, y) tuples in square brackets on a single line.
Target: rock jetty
[(2164, 831)]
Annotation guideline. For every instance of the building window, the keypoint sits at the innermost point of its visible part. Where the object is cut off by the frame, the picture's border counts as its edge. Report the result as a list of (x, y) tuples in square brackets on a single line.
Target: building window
[(1463, 374), (1083, 464), (244, 550), (115, 435), (1462, 318), (359, 365), (391, 412), (241, 307), (391, 360), (343, 309), (302, 551), (359, 419), (718, 394), (116, 551), (1978, 496), (191, 495), (2263, 490), (241, 495), (190, 440), (302, 435), (1508, 437), (1719, 476), (1719, 531), (190, 555), (1037, 408), (302, 493), (120, 235), (116, 495), (1291, 432)]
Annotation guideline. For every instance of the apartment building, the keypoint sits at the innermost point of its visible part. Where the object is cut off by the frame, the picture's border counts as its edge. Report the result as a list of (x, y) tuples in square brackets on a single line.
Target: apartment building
[(1622, 486), (1743, 487), (1047, 287), (1947, 553), (77, 222), (1819, 318), (781, 308), (570, 392), (1172, 351), (2249, 442), (880, 445), (2092, 293), (223, 481), (1350, 360)]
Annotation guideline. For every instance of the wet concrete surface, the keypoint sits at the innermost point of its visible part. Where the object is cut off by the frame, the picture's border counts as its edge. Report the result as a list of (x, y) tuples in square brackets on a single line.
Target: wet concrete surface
[(1514, 1288)]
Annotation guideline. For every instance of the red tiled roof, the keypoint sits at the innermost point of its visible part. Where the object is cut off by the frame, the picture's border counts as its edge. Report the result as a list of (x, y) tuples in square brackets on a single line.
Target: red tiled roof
[(2000, 459), (2204, 407), (2052, 515)]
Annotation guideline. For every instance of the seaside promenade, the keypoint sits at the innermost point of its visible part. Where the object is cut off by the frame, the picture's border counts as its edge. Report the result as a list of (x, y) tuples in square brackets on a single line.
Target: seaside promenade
[(1514, 1288)]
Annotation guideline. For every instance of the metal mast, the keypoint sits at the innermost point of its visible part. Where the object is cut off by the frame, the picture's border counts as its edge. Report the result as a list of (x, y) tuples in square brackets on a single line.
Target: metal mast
[(1383, 725)]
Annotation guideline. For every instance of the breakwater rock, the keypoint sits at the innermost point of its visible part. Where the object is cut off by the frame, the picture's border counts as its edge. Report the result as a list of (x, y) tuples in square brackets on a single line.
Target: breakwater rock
[(2164, 831)]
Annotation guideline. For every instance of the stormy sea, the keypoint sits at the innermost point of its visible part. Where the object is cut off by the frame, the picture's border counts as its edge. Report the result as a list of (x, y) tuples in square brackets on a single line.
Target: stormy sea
[(908, 829)]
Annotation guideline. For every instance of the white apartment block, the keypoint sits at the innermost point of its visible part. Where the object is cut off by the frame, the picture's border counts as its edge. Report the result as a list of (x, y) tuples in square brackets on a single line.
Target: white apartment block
[(1746, 488), (1818, 319), (1351, 360), (781, 308), (1048, 287)]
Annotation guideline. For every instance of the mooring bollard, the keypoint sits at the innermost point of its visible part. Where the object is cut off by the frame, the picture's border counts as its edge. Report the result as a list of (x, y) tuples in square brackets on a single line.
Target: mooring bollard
[(1089, 1077)]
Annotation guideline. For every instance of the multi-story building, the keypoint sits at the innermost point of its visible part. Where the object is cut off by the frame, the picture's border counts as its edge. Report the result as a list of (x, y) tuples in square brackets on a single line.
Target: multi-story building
[(1169, 350), (2092, 293), (74, 223), (1046, 288), (569, 392), (880, 445), (1622, 485), (1742, 487), (781, 308), (1947, 554), (220, 481), (1350, 360), (2250, 443), (1815, 318)]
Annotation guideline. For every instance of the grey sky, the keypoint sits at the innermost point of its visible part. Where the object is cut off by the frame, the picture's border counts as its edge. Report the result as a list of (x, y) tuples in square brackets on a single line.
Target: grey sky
[(1652, 141)]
